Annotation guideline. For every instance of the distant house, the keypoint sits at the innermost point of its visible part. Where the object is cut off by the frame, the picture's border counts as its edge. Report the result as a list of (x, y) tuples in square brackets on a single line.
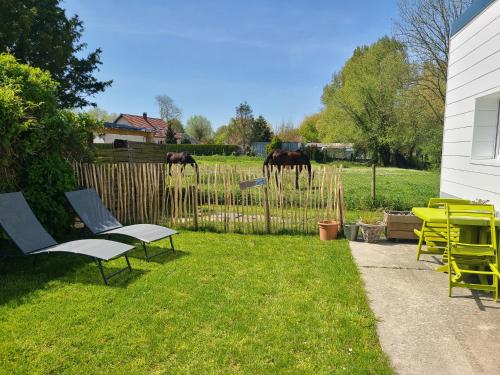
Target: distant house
[(136, 128), (113, 131), (470, 165)]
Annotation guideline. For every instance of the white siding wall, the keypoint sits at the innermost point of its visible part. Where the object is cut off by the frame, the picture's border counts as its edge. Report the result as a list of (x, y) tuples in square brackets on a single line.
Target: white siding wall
[(469, 168), (110, 138)]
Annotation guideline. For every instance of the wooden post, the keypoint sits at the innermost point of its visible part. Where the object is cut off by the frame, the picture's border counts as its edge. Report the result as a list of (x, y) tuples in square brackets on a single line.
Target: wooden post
[(266, 208), (195, 206), (374, 184)]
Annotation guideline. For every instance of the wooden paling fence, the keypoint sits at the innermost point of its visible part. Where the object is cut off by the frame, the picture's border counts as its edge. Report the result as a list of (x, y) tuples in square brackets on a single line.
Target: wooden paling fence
[(148, 193)]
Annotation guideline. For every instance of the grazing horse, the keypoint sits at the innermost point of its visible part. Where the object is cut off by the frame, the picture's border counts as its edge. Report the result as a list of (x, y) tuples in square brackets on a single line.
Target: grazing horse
[(282, 158), (182, 158)]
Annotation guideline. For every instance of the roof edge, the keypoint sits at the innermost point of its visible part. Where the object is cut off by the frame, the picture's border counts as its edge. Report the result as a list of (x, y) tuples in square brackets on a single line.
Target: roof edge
[(472, 12)]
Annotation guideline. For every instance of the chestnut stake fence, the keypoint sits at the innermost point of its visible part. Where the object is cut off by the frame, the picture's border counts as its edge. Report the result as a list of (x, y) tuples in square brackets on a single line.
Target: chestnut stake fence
[(150, 193)]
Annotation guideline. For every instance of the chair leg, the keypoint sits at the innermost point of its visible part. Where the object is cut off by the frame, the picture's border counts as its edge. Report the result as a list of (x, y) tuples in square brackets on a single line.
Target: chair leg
[(99, 265), (420, 241), (171, 244), (450, 278), (495, 284), (145, 250), (108, 277), (128, 263), (148, 257)]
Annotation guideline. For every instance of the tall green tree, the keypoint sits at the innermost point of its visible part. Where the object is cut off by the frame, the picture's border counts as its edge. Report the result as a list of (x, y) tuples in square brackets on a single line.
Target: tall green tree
[(368, 92), (101, 114), (176, 125), (222, 135), (199, 127), (308, 129), (261, 130), (170, 136), (38, 33), (242, 124)]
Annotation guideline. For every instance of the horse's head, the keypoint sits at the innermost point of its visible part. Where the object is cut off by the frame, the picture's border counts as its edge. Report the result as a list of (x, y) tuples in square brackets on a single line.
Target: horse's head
[(188, 158)]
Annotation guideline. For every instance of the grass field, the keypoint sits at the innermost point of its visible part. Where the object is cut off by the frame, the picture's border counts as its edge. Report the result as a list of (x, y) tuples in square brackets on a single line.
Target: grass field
[(224, 303), (397, 189)]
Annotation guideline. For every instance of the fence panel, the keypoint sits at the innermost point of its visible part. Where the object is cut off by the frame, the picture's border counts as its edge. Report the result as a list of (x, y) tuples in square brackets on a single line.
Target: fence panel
[(154, 193)]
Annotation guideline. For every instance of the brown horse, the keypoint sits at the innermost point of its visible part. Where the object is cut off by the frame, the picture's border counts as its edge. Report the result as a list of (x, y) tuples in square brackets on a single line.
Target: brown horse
[(282, 159), (182, 158)]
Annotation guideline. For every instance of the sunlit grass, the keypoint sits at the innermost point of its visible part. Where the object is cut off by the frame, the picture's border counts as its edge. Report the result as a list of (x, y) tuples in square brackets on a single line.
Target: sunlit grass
[(224, 303)]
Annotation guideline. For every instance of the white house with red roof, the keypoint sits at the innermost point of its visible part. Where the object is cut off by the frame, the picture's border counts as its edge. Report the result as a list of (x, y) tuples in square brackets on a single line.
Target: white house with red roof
[(135, 128), (155, 127)]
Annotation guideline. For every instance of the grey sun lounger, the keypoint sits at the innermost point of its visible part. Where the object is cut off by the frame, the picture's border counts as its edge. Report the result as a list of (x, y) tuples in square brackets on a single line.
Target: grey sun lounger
[(21, 225), (99, 220)]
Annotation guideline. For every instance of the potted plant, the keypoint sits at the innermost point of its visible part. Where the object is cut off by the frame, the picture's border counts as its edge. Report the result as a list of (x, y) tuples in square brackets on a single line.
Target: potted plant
[(328, 230), (351, 231), (372, 227)]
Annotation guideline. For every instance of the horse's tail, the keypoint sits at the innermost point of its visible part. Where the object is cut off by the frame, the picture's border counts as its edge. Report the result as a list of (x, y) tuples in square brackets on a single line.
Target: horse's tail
[(266, 163), (190, 160)]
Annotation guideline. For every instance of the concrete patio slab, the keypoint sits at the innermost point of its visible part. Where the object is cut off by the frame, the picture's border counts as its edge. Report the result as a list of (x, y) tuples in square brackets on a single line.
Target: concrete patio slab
[(422, 330)]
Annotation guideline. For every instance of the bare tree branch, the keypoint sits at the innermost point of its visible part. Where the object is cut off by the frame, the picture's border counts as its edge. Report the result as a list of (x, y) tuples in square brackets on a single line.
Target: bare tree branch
[(425, 28)]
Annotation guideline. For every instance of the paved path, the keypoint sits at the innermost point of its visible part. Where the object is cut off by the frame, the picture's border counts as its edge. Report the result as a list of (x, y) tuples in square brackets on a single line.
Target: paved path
[(421, 329)]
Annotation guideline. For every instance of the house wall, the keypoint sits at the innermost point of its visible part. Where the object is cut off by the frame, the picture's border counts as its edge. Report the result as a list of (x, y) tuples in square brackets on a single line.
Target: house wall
[(470, 167), (112, 134)]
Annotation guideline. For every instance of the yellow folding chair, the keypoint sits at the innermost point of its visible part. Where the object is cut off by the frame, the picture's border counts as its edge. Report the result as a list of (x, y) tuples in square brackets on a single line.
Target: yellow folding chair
[(434, 235), (466, 259)]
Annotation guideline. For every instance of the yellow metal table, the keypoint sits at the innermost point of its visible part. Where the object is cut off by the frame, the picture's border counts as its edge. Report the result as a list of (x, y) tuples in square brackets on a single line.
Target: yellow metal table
[(438, 216)]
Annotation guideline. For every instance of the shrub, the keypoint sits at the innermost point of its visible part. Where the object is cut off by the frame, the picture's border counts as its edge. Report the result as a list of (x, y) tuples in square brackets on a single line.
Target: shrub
[(38, 141), (44, 182), (275, 144)]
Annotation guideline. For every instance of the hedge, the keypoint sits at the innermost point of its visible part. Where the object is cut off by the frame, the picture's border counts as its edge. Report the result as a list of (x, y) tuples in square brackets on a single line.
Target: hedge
[(155, 153), (204, 149)]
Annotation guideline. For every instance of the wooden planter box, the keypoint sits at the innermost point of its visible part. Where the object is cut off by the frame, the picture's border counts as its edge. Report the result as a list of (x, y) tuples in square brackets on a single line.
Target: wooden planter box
[(400, 225)]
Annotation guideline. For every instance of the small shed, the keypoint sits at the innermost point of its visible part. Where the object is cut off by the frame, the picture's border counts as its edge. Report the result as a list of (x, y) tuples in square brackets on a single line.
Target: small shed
[(342, 151), (471, 144), (259, 148)]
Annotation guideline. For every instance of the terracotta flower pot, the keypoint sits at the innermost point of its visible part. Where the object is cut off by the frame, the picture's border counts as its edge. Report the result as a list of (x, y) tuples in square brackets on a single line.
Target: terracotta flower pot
[(328, 230)]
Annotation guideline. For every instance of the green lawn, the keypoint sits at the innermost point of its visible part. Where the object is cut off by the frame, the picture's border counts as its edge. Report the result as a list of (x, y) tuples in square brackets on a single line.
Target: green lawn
[(224, 303), (397, 189)]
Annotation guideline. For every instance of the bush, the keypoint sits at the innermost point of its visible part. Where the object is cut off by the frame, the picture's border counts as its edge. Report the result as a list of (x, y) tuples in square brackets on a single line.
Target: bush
[(275, 144), (38, 141), (44, 182)]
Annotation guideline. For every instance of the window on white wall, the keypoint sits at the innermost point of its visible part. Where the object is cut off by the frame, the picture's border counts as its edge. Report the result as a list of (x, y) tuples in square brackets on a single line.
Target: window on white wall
[(486, 138)]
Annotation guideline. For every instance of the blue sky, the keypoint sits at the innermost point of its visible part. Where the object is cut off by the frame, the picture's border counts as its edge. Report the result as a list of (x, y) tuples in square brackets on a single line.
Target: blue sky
[(211, 55)]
